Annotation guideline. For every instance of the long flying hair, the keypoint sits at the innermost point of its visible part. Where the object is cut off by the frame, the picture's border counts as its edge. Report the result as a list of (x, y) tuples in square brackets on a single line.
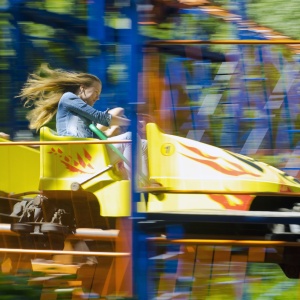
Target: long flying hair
[(44, 88)]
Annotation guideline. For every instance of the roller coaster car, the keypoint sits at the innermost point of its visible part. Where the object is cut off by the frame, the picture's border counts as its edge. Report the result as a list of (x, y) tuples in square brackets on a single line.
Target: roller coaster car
[(201, 176), (194, 177)]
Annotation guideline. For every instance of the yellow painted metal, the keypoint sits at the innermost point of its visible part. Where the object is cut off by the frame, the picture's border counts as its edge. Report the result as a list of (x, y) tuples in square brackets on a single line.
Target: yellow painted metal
[(63, 165), (20, 169), (184, 165), (195, 175)]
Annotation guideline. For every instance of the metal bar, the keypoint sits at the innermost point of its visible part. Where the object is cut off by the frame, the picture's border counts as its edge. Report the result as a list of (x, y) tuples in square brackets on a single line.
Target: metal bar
[(19, 195), (6, 229), (75, 186), (103, 137), (222, 216), (224, 42), (9, 216), (97, 174), (63, 142), (251, 243), (60, 252), (160, 190), (94, 234), (81, 233)]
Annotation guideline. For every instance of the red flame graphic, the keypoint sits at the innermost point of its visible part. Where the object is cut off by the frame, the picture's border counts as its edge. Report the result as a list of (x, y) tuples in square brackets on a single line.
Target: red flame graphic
[(212, 161), (242, 204), (74, 165)]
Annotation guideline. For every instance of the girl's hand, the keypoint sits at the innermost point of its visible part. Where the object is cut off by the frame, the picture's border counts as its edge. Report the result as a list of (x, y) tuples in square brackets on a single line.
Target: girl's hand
[(113, 131), (142, 126)]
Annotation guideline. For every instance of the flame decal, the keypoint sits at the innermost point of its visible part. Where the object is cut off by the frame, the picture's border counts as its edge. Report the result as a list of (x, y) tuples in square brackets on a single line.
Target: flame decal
[(199, 152), (90, 166), (75, 165), (81, 161), (72, 168), (237, 202), (87, 155), (285, 189), (233, 169)]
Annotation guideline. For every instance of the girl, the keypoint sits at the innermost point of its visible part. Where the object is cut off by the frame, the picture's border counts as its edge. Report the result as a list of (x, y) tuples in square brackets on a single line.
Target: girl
[(71, 96)]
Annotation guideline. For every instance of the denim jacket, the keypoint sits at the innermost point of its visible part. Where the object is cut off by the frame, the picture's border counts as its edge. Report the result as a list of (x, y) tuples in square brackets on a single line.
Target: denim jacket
[(74, 116)]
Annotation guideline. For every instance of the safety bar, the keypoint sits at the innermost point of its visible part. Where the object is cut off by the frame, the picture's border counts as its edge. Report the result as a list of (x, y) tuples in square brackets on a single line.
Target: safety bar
[(64, 252), (30, 143), (75, 186)]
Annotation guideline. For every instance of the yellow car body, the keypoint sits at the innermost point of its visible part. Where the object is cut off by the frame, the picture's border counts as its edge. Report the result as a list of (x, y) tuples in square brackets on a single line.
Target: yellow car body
[(201, 176), (62, 166), (20, 168), (195, 175)]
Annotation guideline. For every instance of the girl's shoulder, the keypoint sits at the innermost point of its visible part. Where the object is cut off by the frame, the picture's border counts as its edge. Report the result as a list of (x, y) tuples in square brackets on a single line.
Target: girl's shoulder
[(68, 96)]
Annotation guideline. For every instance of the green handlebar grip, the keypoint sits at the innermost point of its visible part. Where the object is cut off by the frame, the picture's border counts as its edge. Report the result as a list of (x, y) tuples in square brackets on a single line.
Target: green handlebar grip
[(102, 136)]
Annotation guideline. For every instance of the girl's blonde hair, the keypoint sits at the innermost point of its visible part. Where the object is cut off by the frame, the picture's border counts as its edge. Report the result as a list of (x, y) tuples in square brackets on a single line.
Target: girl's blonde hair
[(44, 88)]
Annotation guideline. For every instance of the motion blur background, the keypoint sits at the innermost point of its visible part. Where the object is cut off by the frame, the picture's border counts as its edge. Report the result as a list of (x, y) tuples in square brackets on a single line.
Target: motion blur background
[(243, 98)]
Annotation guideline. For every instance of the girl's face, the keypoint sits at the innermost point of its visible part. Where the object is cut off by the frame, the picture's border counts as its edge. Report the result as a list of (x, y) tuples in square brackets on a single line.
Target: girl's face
[(90, 94)]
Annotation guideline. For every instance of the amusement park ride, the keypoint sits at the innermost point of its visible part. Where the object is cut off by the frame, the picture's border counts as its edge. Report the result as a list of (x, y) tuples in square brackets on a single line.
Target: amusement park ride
[(68, 187), (65, 191)]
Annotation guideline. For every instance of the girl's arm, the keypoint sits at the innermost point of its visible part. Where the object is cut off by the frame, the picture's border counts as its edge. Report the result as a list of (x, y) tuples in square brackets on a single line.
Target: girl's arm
[(116, 121)]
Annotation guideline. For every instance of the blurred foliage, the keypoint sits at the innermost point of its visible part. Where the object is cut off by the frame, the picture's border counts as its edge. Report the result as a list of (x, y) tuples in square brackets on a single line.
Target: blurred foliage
[(281, 16), (191, 26), (34, 32)]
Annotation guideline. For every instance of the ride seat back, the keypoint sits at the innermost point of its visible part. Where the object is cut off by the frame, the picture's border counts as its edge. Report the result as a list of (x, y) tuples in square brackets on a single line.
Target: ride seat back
[(87, 166), (62, 164), (20, 168)]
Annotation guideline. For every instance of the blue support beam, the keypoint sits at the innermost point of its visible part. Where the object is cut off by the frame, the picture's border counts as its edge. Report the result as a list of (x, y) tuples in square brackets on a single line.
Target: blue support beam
[(96, 30), (130, 37)]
